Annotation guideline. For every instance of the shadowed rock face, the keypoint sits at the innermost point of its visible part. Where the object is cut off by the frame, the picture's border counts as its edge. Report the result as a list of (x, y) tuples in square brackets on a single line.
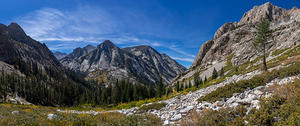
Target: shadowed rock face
[(138, 64), (15, 44)]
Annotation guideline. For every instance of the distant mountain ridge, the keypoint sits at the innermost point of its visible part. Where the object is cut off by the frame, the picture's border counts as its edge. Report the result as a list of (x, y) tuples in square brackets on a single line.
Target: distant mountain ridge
[(59, 55), (107, 63)]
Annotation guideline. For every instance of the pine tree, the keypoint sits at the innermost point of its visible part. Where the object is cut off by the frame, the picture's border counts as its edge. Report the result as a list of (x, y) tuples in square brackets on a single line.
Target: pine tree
[(160, 87), (196, 80), (214, 74), (221, 72), (262, 36), (135, 93), (177, 86)]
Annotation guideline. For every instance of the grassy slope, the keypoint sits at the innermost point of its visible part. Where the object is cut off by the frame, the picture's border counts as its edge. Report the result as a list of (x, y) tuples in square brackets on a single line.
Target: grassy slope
[(37, 115)]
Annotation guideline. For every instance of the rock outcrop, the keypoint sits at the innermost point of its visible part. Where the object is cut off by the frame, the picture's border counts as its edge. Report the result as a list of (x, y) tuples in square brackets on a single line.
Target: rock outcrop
[(235, 40)]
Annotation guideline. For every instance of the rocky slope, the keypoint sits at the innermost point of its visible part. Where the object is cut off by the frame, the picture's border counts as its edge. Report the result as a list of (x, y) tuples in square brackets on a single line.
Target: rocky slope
[(107, 63), (59, 55), (234, 40), (16, 46)]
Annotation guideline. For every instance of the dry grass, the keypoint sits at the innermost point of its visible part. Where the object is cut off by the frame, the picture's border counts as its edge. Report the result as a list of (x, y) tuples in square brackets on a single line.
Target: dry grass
[(37, 115)]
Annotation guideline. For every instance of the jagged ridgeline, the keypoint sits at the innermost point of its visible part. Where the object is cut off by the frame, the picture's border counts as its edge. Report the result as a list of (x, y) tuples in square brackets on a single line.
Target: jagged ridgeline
[(107, 63), (30, 70)]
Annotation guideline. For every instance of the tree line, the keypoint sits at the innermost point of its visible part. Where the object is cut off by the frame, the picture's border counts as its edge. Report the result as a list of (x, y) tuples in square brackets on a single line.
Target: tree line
[(52, 87)]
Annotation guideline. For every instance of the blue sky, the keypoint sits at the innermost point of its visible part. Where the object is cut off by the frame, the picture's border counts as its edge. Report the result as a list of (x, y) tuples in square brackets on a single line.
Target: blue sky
[(175, 27)]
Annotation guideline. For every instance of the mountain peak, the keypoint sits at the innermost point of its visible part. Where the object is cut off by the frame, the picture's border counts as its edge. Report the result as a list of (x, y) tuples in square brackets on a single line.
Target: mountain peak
[(16, 28), (89, 47), (266, 10), (16, 32), (107, 43)]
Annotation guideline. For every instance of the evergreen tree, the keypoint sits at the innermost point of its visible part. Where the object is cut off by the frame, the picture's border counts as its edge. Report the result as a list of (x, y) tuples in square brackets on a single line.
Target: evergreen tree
[(196, 80), (200, 81), (262, 36), (190, 85), (177, 86), (160, 88), (221, 72), (214, 74)]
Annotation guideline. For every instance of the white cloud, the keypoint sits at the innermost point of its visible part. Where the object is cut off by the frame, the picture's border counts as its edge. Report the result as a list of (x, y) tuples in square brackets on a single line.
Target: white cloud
[(183, 59), (68, 29), (174, 48), (49, 24)]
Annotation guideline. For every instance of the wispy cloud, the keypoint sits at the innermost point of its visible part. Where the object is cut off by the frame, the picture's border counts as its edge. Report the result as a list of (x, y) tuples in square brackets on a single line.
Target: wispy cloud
[(183, 59), (68, 29), (81, 24), (178, 50)]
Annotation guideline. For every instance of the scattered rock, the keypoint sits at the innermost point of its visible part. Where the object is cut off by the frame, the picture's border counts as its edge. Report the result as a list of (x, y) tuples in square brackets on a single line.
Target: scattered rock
[(187, 109), (52, 116), (176, 117), (15, 112), (166, 122), (219, 103)]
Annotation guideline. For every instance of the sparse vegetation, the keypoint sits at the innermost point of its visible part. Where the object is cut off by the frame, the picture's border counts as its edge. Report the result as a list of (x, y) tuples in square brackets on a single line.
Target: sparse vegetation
[(283, 108), (37, 115), (238, 87), (155, 106)]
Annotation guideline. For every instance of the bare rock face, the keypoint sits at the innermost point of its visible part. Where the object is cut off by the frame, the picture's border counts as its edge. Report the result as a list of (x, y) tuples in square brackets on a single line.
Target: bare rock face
[(225, 28), (266, 10), (111, 63), (202, 52), (236, 39)]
